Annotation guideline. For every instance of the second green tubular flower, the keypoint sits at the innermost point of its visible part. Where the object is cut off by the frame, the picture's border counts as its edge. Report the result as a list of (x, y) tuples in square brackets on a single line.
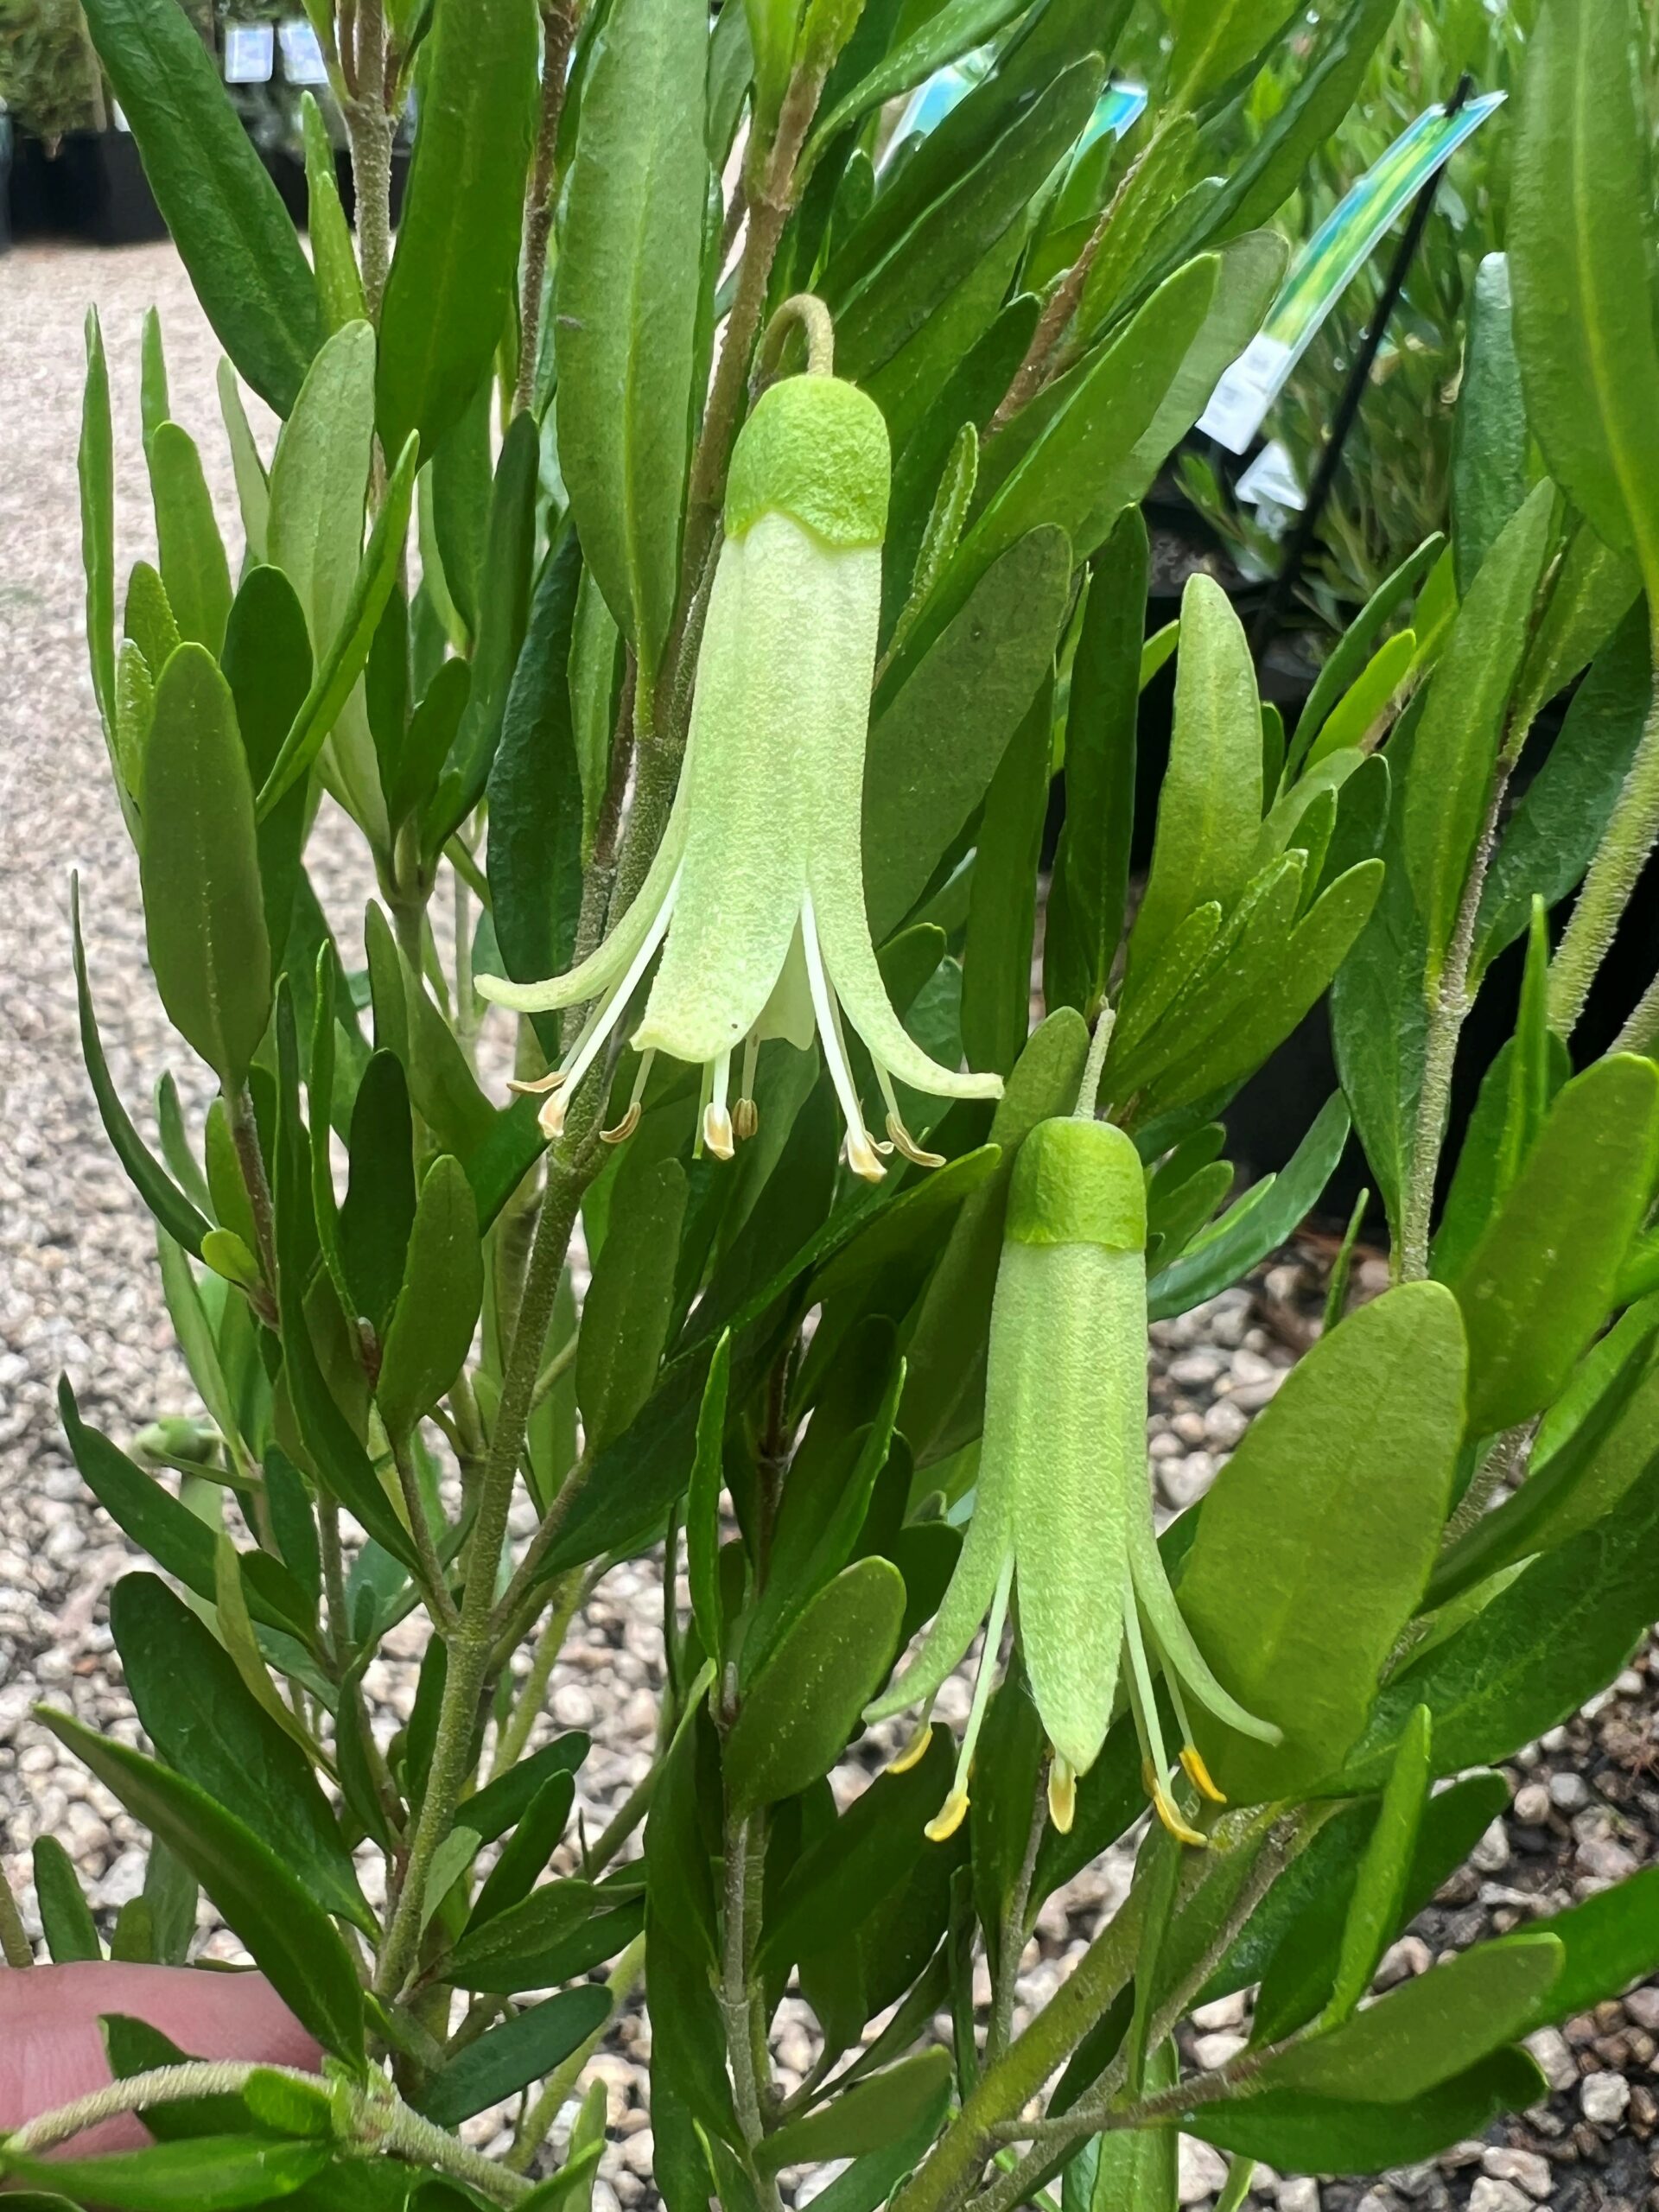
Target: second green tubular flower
[(755, 899), (1062, 1514)]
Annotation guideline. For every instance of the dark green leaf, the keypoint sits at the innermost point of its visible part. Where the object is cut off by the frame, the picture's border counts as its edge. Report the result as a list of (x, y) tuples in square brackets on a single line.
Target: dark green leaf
[(290, 1937), (431, 1326), (703, 1506), (507, 579), (456, 260), (935, 744), (203, 1722), (226, 2171), (267, 665), (800, 1712), (204, 915), (524, 1856), (66, 1917), (1321, 2134), (626, 1318), (1091, 866), (1002, 895), (149, 1179), (379, 1211), (1489, 439), (490, 1812), (508, 2058), (519, 1948), (897, 2103), (1384, 1872), (226, 215)]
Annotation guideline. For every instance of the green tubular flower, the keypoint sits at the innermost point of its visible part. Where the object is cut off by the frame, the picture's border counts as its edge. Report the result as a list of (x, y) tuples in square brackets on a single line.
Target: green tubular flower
[(1064, 1507), (755, 899)]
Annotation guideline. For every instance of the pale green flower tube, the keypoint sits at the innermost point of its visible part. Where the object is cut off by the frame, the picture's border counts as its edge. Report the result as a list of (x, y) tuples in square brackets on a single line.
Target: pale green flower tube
[(755, 899), (1064, 1506)]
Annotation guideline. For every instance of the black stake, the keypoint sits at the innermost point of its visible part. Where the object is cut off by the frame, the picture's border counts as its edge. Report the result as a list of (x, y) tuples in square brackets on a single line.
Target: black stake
[(1359, 376)]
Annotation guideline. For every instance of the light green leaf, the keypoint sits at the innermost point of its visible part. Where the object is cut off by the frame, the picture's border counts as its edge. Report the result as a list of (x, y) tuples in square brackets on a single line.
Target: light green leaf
[(252, 488), (625, 339), (1582, 271), (339, 285), (204, 915), (866, 2118), (1539, 1282), (96, 465), (193, 566), (1379, 1892), (1314, 1545), (1465, 721)]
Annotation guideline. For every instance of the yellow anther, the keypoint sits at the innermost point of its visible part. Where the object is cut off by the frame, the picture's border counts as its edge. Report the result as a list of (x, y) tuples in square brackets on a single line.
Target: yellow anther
[(1198, 1774), (907, 1145), (915, 1751), (534, 1087), (717, 1131), (1166, 1808), (746, 1119), (1062, 1795), (948, 1818), (624, 1128), (863, 1158), (550, 1120)]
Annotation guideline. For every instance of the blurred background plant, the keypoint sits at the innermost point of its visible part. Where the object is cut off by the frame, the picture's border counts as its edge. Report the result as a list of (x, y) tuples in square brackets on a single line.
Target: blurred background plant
[(49, 76)]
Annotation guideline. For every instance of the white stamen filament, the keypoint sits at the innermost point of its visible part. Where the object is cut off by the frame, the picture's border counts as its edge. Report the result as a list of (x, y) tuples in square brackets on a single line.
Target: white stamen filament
[(950, 1814), (860, 1153), (599, 1025), (716, 1118)]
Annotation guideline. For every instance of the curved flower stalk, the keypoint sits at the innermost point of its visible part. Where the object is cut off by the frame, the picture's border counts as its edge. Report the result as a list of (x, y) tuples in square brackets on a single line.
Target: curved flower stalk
[(1063, 1511), (755, 899)]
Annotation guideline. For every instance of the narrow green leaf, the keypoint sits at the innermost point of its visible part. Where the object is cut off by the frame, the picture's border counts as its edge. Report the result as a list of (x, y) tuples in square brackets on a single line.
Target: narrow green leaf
[(507, 579), (430, 1330), (1489, 437), (1465, 722), (319, 478), (1210, 803), (934, 745), (798, 1714), (510, 2057), (1002, 895), (96, 468), (1359, 1447), (226, 215), (625, 336), (703, 1505), (456, 260), (65, 1917), (1539, 1282), (625, 1320), (289, 1935), (267, 663), (344, 661), (1581, 271), (170, 1205), (252, 485), (204, 911), (1429, 2029), (339, 285), (894, 2103), (199, 1715), (193, 566), (1374, 1912), (379, 1210), (1322, 2134)]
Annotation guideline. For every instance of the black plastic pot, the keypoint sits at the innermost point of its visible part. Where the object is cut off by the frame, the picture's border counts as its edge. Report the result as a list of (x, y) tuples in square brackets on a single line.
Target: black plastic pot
[(93, 186)]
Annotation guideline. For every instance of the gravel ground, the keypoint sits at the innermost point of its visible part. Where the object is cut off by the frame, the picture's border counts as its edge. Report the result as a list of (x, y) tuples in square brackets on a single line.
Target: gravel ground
[(79, 1291)]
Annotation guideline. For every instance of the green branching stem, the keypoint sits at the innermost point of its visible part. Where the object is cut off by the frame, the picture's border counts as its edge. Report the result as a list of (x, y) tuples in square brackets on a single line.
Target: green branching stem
[(559, 22), (369, 126), (244, 1135), (1632, 832), (807, 311), (1011, 1937), (371, 2117), (738, 1998), (514, 1736), (1641, 1033), (570, 1167), (1449, 1001), (439, 1601)]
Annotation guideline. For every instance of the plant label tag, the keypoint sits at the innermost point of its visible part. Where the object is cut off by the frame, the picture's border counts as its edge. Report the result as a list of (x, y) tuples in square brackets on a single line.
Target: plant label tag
[(302, 62), (250, 52), (1246, 391)]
